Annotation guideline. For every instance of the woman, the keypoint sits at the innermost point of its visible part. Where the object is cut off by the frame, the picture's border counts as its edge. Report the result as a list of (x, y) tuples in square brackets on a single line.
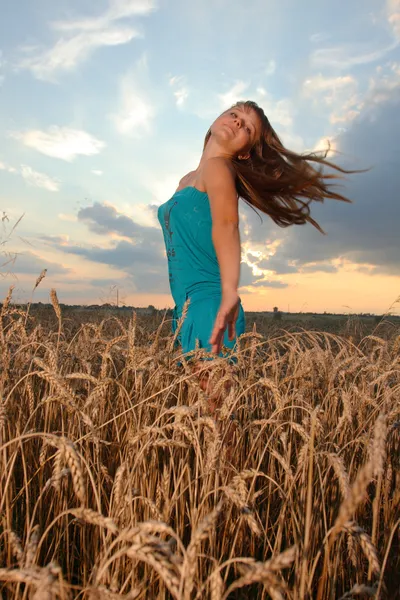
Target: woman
[(242, 158)]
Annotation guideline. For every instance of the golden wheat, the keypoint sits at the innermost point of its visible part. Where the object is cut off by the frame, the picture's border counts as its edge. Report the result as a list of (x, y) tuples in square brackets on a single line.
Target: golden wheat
[(117, 481)]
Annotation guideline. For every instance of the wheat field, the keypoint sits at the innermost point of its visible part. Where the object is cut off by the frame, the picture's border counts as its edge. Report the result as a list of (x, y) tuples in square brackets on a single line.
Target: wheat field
[(116, 482)]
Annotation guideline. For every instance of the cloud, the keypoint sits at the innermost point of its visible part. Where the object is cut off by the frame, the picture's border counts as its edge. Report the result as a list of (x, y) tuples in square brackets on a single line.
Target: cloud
[(248, 279), (270, 68), (181, 91), (60, 142), (8, 168), (117, 10), (277, 266), (319, 268), (141, 254), (29, 263), (349, 55), (82, 36), (40, 180), (124, 255), (67, 217), (265, 283), (233, 95), (136, 112), (60, 240), (393, 14), (339, 94), (104, 219), (364, 233), (97, 172), (278, 111), (32, 177), (346, 97), (316, 38), (145, 263), (384, 83)]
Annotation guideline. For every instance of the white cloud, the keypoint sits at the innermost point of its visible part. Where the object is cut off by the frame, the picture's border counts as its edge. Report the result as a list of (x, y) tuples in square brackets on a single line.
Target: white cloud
[(384, 82), (326, 142), (83, 36), (61, 142), (8, 168), (32, 177), (349, 55), (181, 92), (271, 67), (163, 188), (39, 179), (278, 111), (136, 112), (380, 88), (175, 79), (393, 13), (316, 38), (118, 9), (181, 95), (97, 172), (340, 94), (67, 53), (233, 95), (327, 84), (66, 217)]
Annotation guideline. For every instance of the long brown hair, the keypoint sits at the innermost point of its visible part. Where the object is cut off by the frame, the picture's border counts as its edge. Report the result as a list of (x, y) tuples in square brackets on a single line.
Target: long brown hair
[(279, 182)]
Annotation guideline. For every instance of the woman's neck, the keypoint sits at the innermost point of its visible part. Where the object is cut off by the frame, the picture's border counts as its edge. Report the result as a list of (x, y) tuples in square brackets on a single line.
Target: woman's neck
[(212, 150)]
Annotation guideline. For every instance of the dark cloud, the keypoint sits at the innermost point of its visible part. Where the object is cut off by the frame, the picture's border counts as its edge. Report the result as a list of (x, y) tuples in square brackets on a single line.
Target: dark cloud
[(58, 239), (319, 268), (270, 284), (124, 255), (246, 275), (247, 278), (28, 263), (365, 231), (279, 266), (103, 219), (142, 257)]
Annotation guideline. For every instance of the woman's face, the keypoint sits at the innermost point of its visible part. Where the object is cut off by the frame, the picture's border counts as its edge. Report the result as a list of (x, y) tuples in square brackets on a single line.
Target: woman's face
[(237, 129)]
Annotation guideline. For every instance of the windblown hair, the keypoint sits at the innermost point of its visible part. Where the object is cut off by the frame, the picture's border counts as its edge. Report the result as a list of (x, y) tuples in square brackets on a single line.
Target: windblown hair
[(279, 182)]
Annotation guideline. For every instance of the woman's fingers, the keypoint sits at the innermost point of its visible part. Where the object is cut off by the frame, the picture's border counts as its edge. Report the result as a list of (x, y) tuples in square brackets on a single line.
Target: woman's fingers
[(218, 327), (216, 346), (224, 320), (231, 330)]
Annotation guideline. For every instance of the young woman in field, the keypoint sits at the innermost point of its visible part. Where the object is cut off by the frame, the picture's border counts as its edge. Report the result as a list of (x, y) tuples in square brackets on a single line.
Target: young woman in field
[(242, 158)]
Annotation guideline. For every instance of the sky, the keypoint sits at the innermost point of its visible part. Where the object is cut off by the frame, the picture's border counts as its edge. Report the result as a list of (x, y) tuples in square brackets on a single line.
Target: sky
[(104, 107)]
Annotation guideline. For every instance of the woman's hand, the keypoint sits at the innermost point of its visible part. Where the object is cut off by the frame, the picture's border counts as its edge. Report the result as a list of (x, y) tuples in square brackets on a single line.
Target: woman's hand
[(226, 317)]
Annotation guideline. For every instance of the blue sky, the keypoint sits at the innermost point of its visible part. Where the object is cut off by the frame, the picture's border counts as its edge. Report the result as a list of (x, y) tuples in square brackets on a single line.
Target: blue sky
[(104, 107)]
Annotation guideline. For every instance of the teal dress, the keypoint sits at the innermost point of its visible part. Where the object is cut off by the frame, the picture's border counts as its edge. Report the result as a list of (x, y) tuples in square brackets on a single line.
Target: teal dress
[(193, 270)]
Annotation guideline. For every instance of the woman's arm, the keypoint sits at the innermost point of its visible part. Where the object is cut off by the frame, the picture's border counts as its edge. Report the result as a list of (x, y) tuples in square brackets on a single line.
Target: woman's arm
[(219, 182)]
